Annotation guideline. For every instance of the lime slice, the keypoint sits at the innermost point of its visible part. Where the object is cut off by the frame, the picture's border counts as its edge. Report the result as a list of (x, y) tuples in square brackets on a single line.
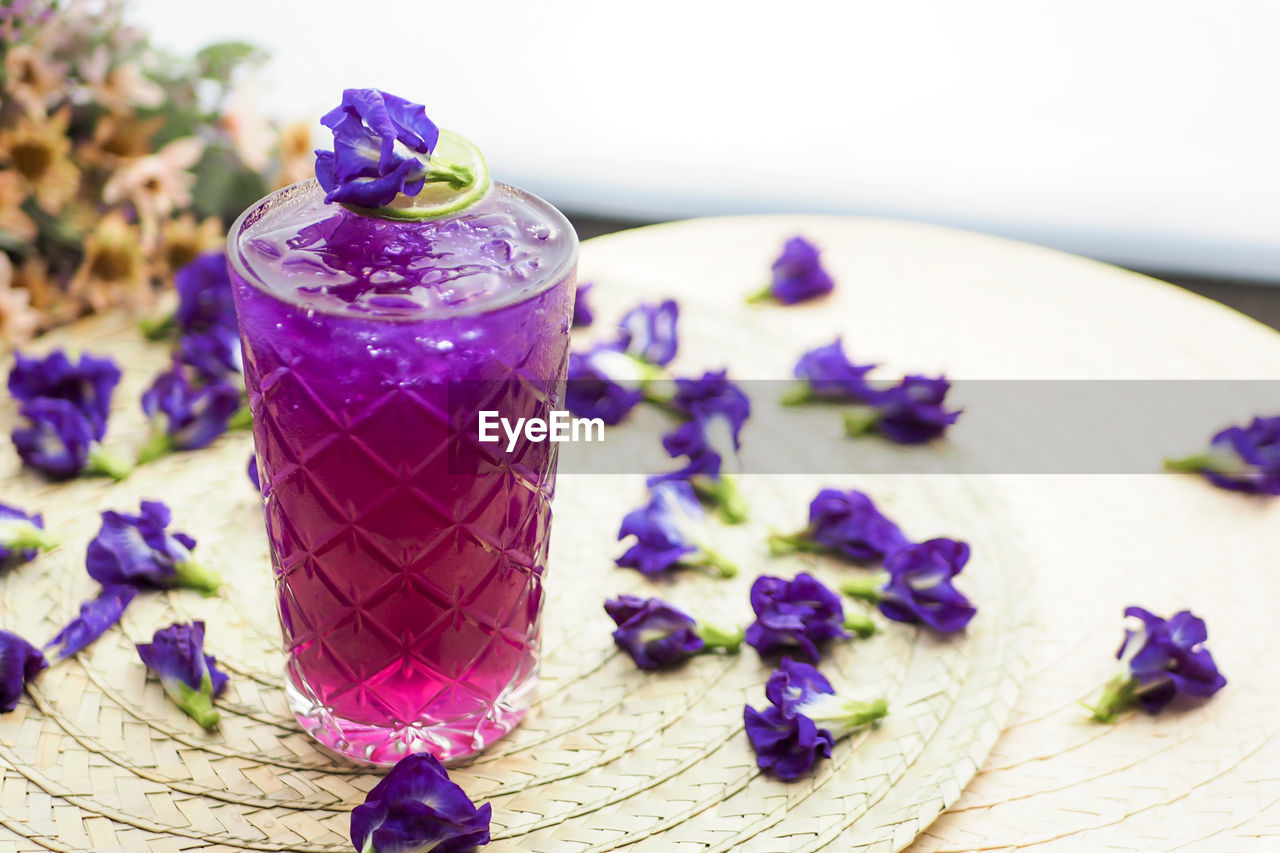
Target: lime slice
[(440, 199)]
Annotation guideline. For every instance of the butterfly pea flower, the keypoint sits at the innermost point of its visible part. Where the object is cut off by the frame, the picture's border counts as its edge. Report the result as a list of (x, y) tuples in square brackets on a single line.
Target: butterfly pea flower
[(204, 295), (213, 355), (648, 332), (656, 634), (20, 662), (845, 523), (799, 615), (1240, 458), (582, 313), (86, 384), (804, 720), (189, 676), (96, 616), (606, 383), (827, 375), (710, 442), (184, 416), (21, 536), (670, 532), (139, 551), (912, 411), (58, 439), (916, 586), (383, 146), (417, 807), (1163, 659), (798, 275)]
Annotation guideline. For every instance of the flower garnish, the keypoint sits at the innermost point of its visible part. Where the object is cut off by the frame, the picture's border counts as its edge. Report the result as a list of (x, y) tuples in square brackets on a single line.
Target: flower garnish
[(417, 808), (19, 663), (606, 383), (910, 412), (804, 721), (1240, 458), (846, 523), (916, 586), (670, 531), (382, 147), (582, 313), (797, 275), (648, 332), (57, 439), (827, 375), (96, 616), (655, 634), (1164, 659), (86, 384), (800, 615), (190, 677), (139, 551), (185, 417), (21, 536)]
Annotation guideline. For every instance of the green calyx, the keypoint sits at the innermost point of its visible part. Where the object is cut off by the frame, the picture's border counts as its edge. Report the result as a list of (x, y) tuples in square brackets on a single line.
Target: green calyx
[(781, 544), (799, 394), (1120, 693), (706, 558), (860, 421), (714, 637), (158, 444), (190, 574), (764, 294), (721, 493), (197, 704), (104, 463), (861, 625), (21, 535), (866, 587)]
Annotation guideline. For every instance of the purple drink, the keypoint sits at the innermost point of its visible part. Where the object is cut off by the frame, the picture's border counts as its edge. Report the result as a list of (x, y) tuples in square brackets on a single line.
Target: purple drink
[(408, 557)]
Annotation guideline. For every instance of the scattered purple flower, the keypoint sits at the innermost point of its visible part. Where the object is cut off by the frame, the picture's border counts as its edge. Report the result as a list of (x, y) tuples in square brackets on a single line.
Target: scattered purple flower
[(185, 417), (87, 384), (189, 676), (798, 275), (213, 354), (605, 383), (826, 374), (96, 616), (417, 807), (710, 441), (648, 332), (1164, 659), (19, 663), (57, 438), (916, 586), (582, 313), (799, 615), (655, 634), (204, 295), (846, 523), (670, 531), (139, 551), (910, 412), (21, 536), (1240, 458)]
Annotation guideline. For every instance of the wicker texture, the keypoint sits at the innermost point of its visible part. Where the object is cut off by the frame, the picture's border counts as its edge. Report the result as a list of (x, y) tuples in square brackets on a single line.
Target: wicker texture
[(98, 759)]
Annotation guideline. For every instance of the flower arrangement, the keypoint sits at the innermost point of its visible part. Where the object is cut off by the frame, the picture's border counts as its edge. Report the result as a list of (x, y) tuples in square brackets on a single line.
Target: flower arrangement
[(118, 165)]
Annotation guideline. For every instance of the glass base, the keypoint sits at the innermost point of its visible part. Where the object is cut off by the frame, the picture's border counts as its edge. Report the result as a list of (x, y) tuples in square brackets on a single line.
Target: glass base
[(449, 741)]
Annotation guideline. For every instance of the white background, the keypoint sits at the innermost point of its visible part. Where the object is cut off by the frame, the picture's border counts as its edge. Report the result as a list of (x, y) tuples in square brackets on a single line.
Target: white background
[(1141, 132)]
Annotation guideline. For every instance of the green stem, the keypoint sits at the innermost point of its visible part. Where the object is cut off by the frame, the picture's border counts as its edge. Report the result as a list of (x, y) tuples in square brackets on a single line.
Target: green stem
[(1118, 694), (722, 493), (157, 328), (860, 624), (719, 638), (198, 704), (20, 535), (195, 576), (712, 560), (865, 587), (440, 170), (798, 395), (104, 462), (158, 444), (781, 544), (1195, 463), (765, 294), (860, 421)]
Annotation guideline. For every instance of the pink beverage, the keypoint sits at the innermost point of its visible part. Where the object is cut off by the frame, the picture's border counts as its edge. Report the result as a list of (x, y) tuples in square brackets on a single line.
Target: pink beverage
[(408, 556)]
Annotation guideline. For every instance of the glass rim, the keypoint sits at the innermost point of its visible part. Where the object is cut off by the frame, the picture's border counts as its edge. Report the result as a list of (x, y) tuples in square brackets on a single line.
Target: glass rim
[(255, 211)]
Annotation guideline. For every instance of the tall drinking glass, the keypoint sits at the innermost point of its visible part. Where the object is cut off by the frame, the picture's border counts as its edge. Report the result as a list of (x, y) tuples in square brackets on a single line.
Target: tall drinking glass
[(408, 556)]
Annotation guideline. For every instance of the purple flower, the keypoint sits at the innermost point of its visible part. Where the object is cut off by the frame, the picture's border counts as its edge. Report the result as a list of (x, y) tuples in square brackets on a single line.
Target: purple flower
[(917, 586), (213, 354), (19, 663), (190, 677), (96, 616), (184, 417), (1164, 659), (670, 531), (582, 313), (1240, 458), (21, 536), (87, 385), (826, 374), (806, 718), (714, 393), (798, 275), (710, 441), (204, 295), (139, 551), (382, 147), (648, 332), (847, 523), (911, 412), (604, 383), (656, 634), (56, 439), (416, 807), (799, 614)]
